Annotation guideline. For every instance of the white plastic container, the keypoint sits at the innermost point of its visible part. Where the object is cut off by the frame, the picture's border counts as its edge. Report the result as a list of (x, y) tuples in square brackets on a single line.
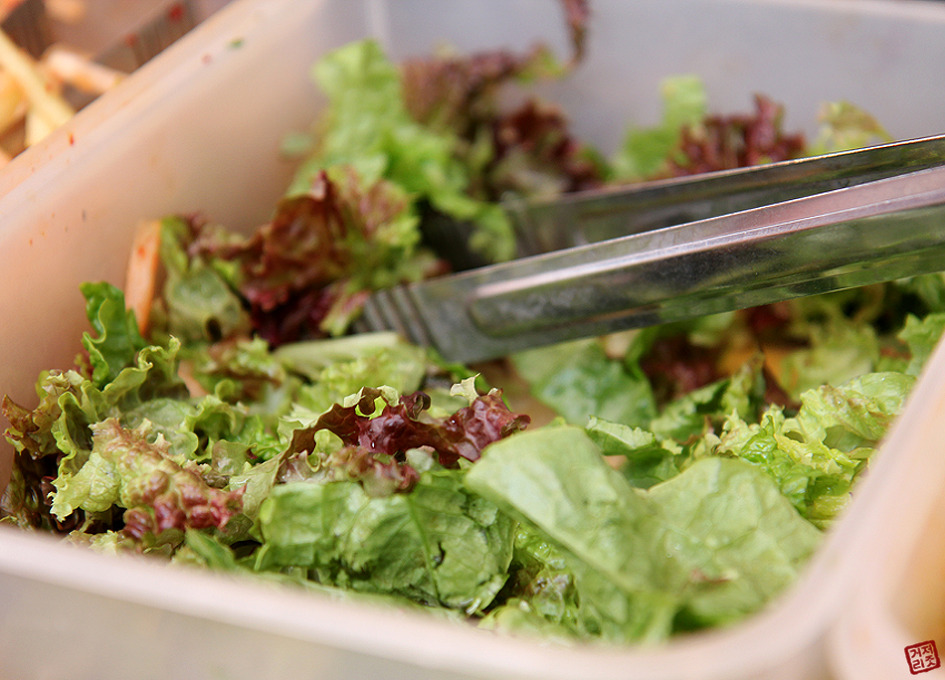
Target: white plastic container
[(199, 128)]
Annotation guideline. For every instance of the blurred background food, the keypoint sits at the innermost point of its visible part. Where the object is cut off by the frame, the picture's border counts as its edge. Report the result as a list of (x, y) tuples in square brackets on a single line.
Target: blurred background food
[(56, 56)]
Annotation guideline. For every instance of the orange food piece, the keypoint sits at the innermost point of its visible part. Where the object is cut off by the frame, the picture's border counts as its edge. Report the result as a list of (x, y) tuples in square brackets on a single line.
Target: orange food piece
[(143, 269)]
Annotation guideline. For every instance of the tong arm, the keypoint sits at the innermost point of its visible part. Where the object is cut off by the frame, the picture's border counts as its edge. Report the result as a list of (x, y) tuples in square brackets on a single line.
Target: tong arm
[(857, 235)]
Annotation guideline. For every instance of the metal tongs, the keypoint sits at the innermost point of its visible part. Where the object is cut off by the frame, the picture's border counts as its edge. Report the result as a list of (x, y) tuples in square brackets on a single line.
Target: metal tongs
[(597, 262)]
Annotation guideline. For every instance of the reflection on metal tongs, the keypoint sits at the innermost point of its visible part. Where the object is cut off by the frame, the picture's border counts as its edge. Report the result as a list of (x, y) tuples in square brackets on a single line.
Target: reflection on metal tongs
[(603, 261)]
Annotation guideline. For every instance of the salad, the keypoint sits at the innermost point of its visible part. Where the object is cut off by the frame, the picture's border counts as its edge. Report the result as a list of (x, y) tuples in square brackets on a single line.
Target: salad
[(218, 415)]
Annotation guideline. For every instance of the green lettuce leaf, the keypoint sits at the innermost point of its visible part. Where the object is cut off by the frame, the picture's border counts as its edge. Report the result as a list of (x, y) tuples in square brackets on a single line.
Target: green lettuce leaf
[(738, 542), (437, 544), (846, 126), (55, 438), (243, 371), (706, 547), (126, 468), (339, 367), (816, 456), (543, 582), (688, 417), (648, 459), (840, 350), (198, 298), (368, 127), (117, 340), (929, 288), (645, 150), (922, 337), (578, 381)]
